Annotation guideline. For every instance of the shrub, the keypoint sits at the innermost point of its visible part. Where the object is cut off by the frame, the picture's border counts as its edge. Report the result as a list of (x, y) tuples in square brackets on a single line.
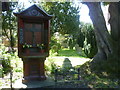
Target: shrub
[(6, 65), (54, 45), (1, 70), (9, 60), (86, 40), (90, 46), (53, 67), (81, 39), (5, 58), (55, 48), (50, 66), (71, 43)]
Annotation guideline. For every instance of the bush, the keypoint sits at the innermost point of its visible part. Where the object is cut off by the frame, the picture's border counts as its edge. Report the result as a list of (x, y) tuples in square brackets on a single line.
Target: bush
[(87, 40), (90, 46), (50, 66), (5, 58), (71, 42), (53, 67), (6, 65), (55, 48), (54, 45), (81, 39), (1, 70), (9, 60)]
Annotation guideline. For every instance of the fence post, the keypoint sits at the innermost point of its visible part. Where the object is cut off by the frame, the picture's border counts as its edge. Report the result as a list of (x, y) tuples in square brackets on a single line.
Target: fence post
[(78, 73), (56, 72), (11, 74)]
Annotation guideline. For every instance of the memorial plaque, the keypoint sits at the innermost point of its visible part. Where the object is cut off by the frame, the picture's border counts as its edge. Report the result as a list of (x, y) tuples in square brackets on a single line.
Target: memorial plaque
[(33, 41)]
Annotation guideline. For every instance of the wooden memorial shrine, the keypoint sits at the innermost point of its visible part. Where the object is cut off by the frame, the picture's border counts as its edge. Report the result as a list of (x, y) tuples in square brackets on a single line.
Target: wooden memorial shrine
[(33, 41)]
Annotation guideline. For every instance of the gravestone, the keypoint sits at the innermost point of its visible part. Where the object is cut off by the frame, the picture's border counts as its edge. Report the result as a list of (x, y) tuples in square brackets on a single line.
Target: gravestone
[(78, 49), (33, 41)]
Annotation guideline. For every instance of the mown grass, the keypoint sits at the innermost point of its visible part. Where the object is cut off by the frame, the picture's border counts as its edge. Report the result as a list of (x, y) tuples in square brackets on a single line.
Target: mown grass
[(73, 55), (69, 53)]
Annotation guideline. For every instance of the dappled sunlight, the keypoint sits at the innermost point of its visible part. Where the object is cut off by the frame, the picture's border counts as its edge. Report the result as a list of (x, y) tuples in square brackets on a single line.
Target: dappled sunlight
[(56, 45), (78, 61), (72, 55), (74, 60), (19, 84)]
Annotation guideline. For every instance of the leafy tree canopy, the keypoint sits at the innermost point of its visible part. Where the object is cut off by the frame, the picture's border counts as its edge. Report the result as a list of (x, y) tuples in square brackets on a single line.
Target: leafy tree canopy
[(9, 24), (66, 17)]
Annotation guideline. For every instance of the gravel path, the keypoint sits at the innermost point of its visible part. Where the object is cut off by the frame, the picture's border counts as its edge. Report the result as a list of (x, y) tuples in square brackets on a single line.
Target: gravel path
[(74, 60)]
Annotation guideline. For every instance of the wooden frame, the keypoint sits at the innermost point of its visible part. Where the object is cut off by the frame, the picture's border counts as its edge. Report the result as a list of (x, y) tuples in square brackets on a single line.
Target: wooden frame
[(33, 41)]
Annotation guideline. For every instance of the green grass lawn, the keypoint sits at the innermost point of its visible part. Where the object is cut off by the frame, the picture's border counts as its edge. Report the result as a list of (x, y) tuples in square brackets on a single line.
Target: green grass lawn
[(69, 53), (73, 55)]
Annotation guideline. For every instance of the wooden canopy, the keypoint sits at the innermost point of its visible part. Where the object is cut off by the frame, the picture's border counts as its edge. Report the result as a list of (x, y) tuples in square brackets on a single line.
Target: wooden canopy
[(33, 12)]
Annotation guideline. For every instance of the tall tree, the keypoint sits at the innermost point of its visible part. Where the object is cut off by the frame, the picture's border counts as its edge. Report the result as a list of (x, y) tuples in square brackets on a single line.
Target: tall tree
[(65, 20), (102, 34), (66, 17), (9, 24), (101, 31), (89, 41), (107, 43)]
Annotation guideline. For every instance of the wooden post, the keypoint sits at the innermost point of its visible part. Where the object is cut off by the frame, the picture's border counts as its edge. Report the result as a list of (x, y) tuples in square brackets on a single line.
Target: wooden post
[(78, 73), (11, 74), (56, 73)]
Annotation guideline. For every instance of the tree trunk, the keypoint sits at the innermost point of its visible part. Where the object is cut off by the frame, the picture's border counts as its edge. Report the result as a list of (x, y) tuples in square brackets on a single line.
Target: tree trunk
[(114, 20), (108, 44), (101, 32), (114, 10), (11, 34)]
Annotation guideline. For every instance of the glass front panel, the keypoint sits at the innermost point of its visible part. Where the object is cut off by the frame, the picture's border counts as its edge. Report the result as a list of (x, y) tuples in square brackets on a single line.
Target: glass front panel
[(33, 33)]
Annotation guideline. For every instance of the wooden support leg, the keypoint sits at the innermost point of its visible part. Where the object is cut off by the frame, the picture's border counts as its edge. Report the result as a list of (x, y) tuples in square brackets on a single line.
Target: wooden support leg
[(33, 69)]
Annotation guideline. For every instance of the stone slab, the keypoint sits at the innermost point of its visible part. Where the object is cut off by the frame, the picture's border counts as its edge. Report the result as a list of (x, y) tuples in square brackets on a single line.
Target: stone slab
[(34, 84)]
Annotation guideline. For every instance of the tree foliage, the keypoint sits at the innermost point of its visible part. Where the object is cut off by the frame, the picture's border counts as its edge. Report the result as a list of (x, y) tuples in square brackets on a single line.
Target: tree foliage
[(90, 46), (9, 27), (65, 20), (87, 40), (66, 17)]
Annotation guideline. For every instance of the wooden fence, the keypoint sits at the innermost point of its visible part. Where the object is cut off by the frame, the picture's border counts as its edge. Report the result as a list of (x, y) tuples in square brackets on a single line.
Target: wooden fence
[(67, 75)]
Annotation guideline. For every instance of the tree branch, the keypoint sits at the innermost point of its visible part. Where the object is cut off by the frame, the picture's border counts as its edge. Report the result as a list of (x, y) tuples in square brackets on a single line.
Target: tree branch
[(6, 34)]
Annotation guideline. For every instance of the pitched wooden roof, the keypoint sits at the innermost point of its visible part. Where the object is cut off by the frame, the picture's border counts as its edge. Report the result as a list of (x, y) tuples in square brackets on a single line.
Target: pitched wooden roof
[(34, 10)]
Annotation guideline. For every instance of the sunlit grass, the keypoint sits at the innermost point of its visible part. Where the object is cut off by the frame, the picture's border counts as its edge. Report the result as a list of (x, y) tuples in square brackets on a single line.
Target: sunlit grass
[(73, 55), (70, 53)]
